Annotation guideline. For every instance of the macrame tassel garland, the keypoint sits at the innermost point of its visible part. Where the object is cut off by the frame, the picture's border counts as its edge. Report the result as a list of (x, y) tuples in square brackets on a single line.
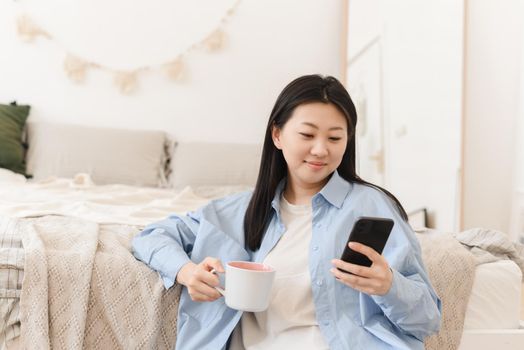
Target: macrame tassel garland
[(127, 81)]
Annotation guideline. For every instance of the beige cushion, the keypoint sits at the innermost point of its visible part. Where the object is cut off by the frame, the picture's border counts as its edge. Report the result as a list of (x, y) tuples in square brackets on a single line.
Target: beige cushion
[(201, 164), (133, 157)]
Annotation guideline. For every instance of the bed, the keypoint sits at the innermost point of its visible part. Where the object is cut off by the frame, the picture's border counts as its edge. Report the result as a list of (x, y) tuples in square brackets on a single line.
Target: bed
[(67, 276), (88, 199)]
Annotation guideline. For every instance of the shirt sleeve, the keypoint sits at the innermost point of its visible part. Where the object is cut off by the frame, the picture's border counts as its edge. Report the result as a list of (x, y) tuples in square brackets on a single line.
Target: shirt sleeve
[(411, 304), (166, 246)]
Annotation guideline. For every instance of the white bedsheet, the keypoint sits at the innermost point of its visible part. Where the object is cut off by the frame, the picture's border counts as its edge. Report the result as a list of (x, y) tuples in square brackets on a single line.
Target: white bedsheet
[(81, 198), (495, 297)]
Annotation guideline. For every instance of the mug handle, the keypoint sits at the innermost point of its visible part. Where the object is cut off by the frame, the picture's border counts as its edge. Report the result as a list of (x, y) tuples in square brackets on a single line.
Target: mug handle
[(219, 289)]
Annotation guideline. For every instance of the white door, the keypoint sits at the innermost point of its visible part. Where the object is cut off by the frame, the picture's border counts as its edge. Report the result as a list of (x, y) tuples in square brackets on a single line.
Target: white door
[(404, 72), (364, 83)]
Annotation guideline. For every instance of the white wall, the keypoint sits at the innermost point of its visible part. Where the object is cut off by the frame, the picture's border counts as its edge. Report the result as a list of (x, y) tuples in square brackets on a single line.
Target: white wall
[(493, 66), (226, 96)]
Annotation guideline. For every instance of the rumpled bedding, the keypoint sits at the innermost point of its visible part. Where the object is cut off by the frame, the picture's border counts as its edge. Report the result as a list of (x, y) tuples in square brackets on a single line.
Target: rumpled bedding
[(492, 245), (108, 204)]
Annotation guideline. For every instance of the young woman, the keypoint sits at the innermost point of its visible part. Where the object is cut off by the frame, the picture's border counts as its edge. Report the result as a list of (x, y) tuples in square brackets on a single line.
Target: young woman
[(297, 220)]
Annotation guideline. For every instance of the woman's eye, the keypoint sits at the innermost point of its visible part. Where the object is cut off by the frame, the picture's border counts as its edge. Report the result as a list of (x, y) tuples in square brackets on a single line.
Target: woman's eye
[(307, 136), (335, 138)]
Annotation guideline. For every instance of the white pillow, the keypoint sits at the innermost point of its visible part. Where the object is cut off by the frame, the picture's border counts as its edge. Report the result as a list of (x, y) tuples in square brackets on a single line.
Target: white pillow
[(215, 164), (132, 157), (7, 175)]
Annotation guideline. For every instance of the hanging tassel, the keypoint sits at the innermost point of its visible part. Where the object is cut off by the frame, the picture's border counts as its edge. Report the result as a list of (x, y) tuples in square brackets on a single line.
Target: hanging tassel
[(126, 82), (175, 69), (27, 30), (75, 68), (232, 10), (215, 41)]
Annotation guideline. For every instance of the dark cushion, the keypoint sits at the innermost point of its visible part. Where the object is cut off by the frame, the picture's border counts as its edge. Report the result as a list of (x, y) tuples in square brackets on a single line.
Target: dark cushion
[(12, 147)]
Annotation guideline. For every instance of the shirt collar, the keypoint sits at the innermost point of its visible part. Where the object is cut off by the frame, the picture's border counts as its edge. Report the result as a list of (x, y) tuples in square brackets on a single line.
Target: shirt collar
[(275, 203), (334, 191)]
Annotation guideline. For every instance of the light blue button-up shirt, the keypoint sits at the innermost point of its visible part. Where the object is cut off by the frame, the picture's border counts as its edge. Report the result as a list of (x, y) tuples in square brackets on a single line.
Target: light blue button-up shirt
[(348, 319)]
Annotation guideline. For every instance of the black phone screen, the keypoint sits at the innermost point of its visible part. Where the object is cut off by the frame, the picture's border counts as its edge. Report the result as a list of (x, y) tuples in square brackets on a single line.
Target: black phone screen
[(370, 231)]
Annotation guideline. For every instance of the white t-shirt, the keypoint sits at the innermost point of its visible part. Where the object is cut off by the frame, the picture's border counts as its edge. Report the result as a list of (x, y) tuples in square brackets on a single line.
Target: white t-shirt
[(290, 320)]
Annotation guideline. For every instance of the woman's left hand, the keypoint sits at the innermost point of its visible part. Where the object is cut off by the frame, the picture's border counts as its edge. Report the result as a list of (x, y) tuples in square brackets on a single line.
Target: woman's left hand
[(376, 279)]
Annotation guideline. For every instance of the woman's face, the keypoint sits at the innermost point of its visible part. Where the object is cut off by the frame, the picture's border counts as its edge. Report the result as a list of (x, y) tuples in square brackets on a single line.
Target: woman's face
[(313, 141)]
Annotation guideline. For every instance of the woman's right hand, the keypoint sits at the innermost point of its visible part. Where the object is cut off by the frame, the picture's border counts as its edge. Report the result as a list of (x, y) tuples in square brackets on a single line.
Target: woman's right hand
[(199, 280)]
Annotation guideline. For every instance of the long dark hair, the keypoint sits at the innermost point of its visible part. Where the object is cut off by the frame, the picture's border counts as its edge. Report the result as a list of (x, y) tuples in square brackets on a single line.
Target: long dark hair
[(273, 167)]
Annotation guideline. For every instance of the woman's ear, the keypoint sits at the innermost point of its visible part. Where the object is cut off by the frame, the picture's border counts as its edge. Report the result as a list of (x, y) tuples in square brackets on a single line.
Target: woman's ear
[(275, 135)]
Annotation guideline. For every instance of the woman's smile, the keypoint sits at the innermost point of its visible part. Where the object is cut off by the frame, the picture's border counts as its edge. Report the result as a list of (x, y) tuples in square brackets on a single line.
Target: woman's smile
[(315, 165)]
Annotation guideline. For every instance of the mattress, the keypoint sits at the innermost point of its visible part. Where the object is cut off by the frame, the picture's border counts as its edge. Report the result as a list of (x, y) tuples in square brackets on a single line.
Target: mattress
[(495, 297)]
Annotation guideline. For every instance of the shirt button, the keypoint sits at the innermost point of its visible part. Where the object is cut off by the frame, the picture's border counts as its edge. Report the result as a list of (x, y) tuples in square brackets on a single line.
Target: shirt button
[(318, 225), (315, 248), (319, 283), (325, 323)]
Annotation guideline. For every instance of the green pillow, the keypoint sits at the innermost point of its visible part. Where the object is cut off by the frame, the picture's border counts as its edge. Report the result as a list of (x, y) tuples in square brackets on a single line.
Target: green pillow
[(12, 149)]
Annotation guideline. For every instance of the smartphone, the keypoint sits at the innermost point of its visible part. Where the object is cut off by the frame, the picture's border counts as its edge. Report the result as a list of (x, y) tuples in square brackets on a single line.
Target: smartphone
[(370, 231)]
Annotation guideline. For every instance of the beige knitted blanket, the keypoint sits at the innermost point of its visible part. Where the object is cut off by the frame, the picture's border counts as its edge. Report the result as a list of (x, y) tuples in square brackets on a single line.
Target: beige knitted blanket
[(83, 289), (451, 269)]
